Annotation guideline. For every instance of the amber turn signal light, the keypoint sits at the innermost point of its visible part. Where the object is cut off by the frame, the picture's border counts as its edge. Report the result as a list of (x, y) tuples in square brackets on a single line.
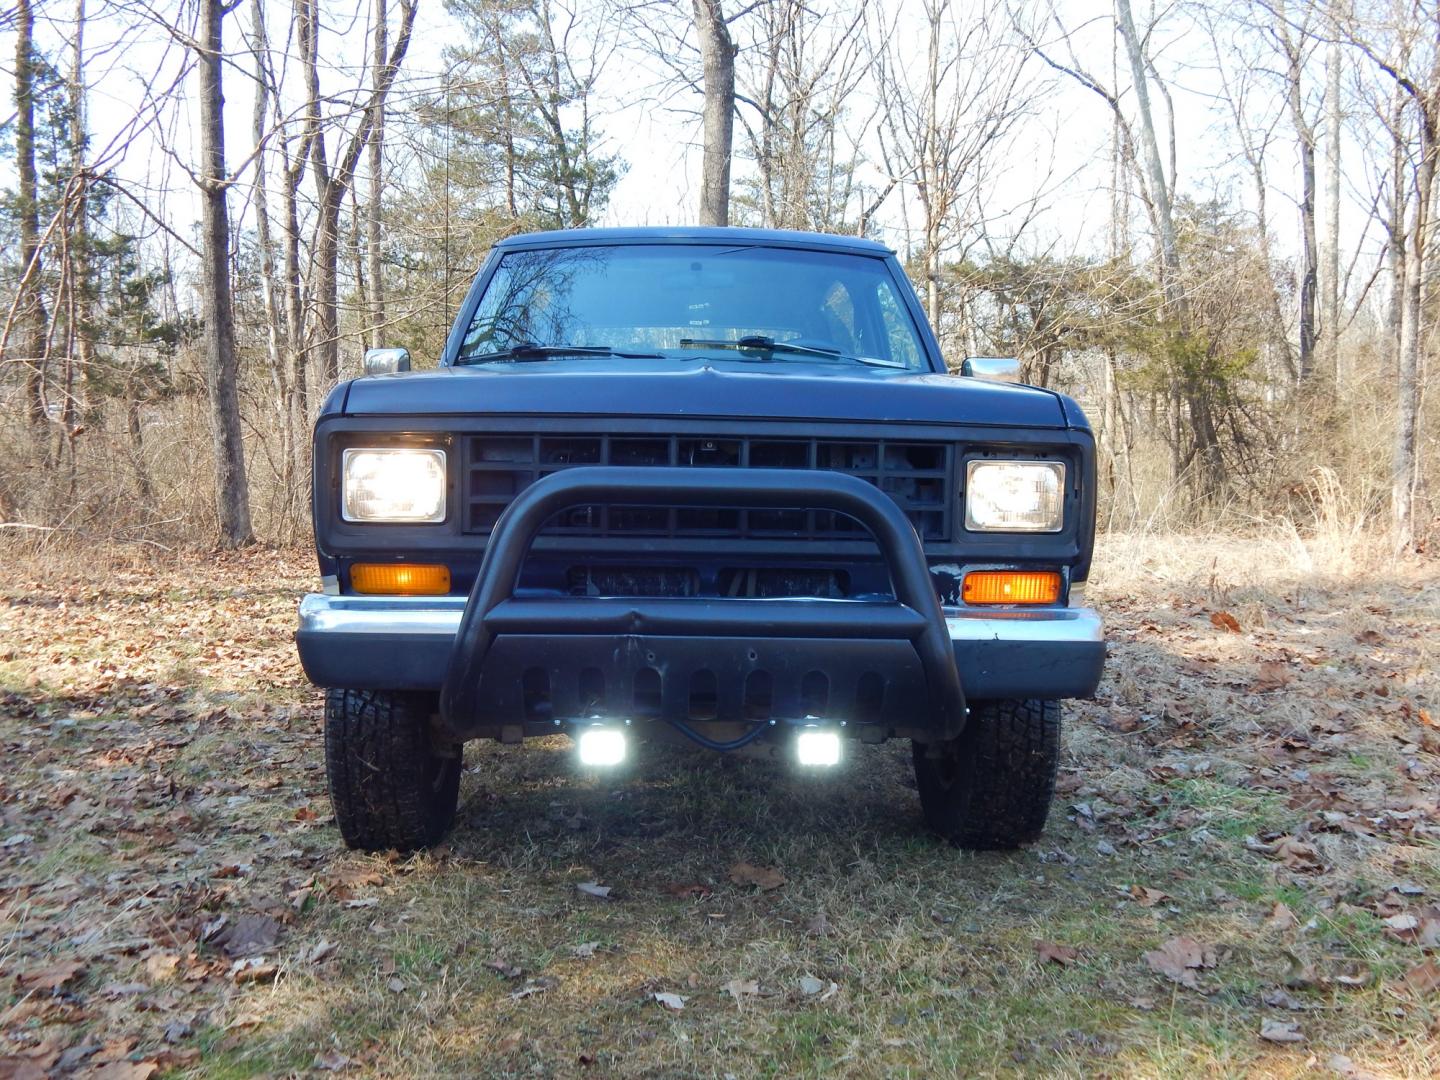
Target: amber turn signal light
[(1011, 587), (400, 579)]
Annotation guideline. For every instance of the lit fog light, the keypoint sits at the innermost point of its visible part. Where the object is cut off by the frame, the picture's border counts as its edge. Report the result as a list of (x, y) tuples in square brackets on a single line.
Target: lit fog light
[(602, 746), (817, 748)]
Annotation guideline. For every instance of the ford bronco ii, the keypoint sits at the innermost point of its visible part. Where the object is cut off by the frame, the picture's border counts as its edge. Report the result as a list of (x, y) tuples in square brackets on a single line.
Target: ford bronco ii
[(713, 484)]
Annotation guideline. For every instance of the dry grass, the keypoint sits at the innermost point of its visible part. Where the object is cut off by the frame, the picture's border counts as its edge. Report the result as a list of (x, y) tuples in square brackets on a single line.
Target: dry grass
[(167, 697)]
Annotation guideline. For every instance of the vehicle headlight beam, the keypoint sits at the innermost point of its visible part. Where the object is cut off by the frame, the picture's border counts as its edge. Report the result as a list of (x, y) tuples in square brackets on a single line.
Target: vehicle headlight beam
[(1015, 496), (393, 485)]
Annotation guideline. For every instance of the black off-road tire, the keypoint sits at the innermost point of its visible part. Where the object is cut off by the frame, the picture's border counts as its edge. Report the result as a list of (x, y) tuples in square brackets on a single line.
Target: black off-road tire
[(990, 788), (390, 784)]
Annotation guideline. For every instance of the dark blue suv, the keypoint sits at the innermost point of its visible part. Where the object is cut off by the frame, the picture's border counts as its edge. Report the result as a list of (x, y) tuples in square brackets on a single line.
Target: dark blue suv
[(709, 485)]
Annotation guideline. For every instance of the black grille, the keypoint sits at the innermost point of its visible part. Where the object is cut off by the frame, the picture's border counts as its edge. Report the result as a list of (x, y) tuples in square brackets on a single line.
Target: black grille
[(917, 475)]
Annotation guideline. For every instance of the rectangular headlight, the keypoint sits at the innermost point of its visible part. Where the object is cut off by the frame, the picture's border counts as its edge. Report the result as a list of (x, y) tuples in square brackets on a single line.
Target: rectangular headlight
[(395, 485), (1015, 496)]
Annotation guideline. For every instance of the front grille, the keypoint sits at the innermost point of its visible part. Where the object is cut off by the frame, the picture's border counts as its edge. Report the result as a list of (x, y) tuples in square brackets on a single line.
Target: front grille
[(919, 476)]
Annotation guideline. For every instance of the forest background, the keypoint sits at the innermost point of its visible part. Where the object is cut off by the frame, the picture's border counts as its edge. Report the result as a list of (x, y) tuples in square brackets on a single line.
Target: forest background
[(1210, 222)]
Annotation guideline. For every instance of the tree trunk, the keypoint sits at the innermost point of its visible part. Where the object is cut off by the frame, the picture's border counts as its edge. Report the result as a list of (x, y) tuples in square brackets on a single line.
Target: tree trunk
[(331, 186), (1309, 260), (1330, 249), (1404, 478), (1398, 206), (931, 193), (1154, 166), (717, 53), (232, 500), (30, 306), (134, 429), (281, 369), (374, 204), (82, 286)]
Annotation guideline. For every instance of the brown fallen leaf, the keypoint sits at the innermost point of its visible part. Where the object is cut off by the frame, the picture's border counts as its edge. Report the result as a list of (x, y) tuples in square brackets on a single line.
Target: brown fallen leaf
[(1370, 637), (763, 878), (1281, 1031), (114, 1050), (1281, 918), (249, 935), (1423, 978), (14, 1067), (688, 891), (124, 1070), (1415, 928), (1051, 952), (1297, 855), (52, 978), (1402, 927), (252, 970), (1273, 676), (1225, 621), (1181, 959), (161, 966), (31, 1063), (355, 877), (1146, 896)]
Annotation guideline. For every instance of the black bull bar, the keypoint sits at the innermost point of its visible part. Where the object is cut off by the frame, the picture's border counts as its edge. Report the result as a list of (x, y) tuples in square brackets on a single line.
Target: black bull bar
[(483, 694)]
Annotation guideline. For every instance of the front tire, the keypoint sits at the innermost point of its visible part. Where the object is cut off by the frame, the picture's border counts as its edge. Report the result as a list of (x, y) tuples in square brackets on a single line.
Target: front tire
[(390, 785), (990, 789)]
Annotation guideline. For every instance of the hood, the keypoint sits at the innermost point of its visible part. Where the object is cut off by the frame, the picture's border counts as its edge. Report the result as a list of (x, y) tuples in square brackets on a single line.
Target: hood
[(710, 389)]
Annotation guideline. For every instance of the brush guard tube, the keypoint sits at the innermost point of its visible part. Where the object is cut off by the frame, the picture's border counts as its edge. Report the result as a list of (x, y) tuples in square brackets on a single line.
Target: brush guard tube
[(493, 613)]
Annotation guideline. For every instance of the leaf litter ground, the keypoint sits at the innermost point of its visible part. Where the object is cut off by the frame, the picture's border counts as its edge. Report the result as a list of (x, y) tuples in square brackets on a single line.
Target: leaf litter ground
[(1240, 876)]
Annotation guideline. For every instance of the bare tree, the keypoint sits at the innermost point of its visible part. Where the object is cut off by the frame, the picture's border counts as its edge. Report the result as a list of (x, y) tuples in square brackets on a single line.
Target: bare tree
[(942, 116), (801, 82), (717, 52), (1161, 195), (1406, 51), (232, 498), (332, 182), (1296, 42), (29, 308), (1330, 249), (374, 206)]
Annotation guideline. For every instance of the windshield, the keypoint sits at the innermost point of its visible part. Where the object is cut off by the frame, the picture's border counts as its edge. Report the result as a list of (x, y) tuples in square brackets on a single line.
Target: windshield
[(777, 305)]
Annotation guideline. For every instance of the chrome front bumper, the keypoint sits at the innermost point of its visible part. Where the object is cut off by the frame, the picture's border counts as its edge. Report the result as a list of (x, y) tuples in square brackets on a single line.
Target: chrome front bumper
[(404, 643)]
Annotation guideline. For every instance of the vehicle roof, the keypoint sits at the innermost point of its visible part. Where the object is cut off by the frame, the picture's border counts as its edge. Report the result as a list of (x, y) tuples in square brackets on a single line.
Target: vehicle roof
[(683, 234)]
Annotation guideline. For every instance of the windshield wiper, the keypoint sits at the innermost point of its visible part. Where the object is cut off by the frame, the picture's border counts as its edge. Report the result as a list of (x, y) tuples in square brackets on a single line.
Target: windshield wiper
[(760, 343), (757, 343), (532, 350)]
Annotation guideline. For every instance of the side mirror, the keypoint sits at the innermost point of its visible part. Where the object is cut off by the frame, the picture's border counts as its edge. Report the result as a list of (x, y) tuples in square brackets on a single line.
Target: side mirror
[(386, 361), (994, 368)]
